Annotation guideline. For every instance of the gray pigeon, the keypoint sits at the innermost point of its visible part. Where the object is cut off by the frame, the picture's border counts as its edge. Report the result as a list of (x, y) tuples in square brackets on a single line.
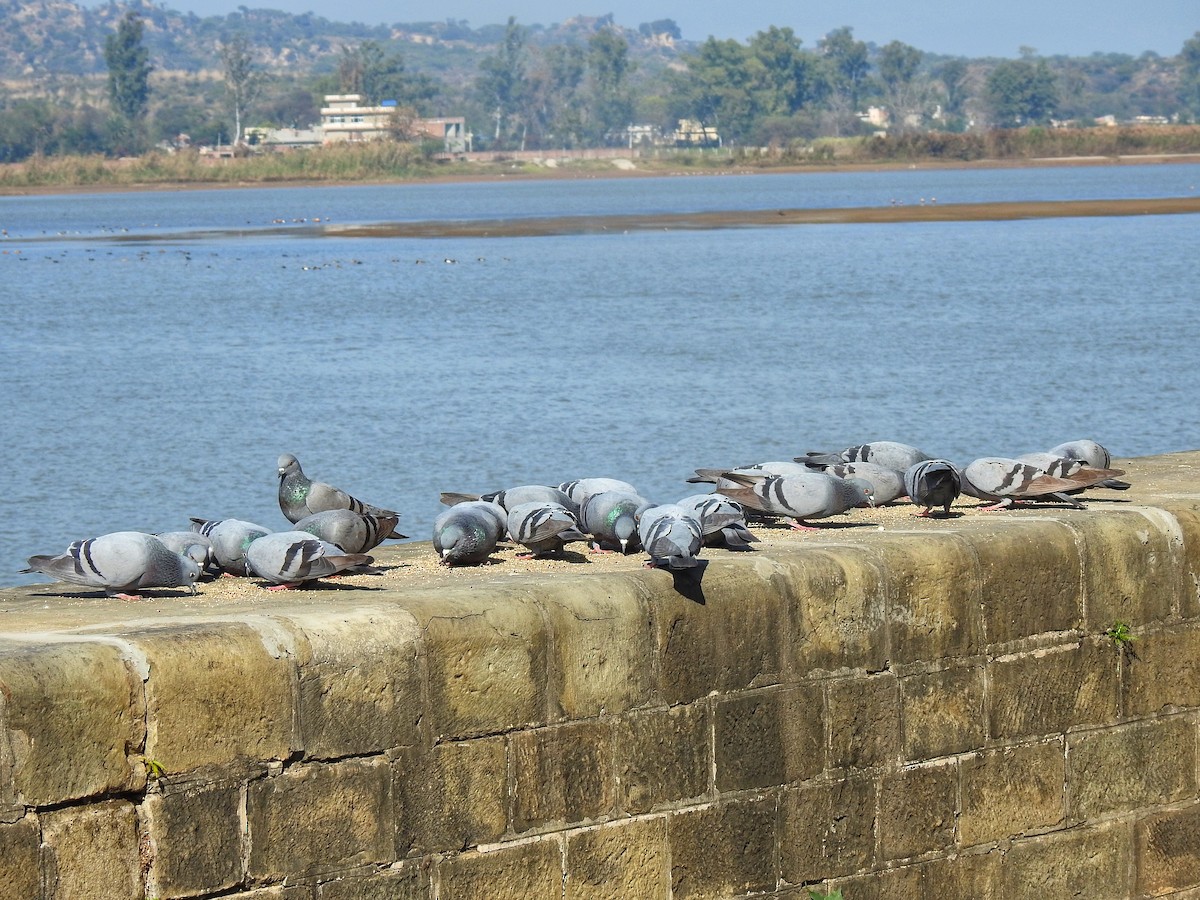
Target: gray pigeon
[(515, 496), (672, 536), (1075, 469), (890, 454), (299, 496), (582, 488), (722, 520), (353, 532), (121, 563), (782, 467), (542, 527), (467, 533), (1095, 455), (611, 518), (1008, 481), (192, 544), (887, 484), (933, 482), (813, 495), (229, 538), (290, 558)]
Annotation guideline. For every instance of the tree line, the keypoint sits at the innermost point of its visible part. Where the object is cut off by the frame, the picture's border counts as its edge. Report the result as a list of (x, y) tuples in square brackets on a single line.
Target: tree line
[(520, 94)]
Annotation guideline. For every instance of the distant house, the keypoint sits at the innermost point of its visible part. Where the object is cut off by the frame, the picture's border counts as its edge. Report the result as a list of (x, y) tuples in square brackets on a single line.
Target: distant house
[(344, 118)]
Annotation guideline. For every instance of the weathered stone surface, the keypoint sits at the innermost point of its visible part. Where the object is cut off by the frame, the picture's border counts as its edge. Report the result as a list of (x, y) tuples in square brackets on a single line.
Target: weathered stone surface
[(91, 852), (509, 873), (279, 892), (71, 723), (618, 861), (1131, 572), (942, 712), (1084, 862), (1132, 766), (487, 657), (360, 681), (1031, 581), (837, 608), (864, 721), (917, 810), (195, 837), (407, 882), (733, 641), (1165, 672), (1012, 791), (562, 774), (215, 694), (1168, 851), (603, 659), (1182, 517), (453, 796), (723, 850), (828, 830), (963, 877), (772, 737), (1048, 691), (321, 818), (662, 756), (20, 864), (891, 884), (933, 591)]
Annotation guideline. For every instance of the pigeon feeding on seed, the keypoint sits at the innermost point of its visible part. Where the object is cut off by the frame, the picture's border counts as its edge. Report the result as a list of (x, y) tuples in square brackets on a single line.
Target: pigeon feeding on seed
[(542, 527), (290, 558), (611, 519), (887, 483), (121, 563), (933, 482), (1093, 454), (192, 544), (300, 496), (774, 467), (515, 496), (582, 488), (672, 536), (229, 538), (722, 521), (1008, 481), (468, 532), (353, 532), (891, 454), (813, 495)]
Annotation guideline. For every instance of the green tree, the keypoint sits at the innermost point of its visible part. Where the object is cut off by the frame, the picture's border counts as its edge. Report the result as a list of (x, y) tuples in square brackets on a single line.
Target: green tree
[(721, 88), (608, 69), (1021, 92), (898, 64), (953, 75), (848, 66), (790, 79), (243, 79), (128, 69), (1189, 75), (501, 81)]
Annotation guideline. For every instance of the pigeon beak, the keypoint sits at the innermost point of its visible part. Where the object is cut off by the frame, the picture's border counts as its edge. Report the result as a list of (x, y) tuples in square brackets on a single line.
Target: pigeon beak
[(624, 546)]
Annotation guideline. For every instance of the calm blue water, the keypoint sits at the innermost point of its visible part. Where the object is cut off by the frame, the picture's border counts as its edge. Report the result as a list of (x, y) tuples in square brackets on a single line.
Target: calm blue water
[(146, 381)]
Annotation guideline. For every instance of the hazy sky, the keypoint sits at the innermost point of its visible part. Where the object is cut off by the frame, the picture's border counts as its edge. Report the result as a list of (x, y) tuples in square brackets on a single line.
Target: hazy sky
[(960, 27)]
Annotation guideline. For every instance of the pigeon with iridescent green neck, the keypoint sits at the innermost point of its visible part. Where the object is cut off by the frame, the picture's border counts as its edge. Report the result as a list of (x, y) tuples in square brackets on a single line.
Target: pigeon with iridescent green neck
[(300, 496)]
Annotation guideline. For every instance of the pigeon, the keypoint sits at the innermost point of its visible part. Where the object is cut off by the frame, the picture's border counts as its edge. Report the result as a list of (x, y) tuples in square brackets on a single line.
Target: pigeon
[(890, 454), (290, 558), (121, 563), (1066, 467), (192, 544), (515, 496), (299, 496), (1095, 455), (671, 535), (722, 521), (813, 495), (467, 533), (1008, 481), (582, 488), (933, 482), (611, 517), (887, 484), (229, 538), (710, 476), (542, 527), (353, 532)]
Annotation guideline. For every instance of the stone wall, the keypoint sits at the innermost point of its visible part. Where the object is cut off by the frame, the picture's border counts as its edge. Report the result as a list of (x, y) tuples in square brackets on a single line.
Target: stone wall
[(907, 711)]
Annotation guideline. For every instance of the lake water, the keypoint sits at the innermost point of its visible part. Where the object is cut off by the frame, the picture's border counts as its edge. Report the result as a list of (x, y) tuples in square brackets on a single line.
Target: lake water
[(158, 351)]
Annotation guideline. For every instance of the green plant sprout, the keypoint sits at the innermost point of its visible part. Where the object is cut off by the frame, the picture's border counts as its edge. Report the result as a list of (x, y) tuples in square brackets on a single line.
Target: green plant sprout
[(1119, 634)]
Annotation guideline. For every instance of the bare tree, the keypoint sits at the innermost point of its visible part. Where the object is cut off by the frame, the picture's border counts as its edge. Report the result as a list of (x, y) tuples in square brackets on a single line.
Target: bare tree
[(243, 79)]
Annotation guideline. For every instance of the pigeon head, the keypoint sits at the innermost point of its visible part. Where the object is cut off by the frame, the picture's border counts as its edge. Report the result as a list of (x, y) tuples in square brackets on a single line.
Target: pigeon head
[(189, 573), (288, 465)]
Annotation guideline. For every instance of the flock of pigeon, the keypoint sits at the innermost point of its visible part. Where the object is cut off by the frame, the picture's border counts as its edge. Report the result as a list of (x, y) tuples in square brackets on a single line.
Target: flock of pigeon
[(334, 531)]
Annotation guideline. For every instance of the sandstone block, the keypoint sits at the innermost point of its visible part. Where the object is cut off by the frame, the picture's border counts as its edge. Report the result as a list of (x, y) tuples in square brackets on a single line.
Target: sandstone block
[(487, 658), (772, 737), (963, 877), (662, 756), (1083, 862), (321, 818), (618, 861), (1131, 766), (889, 884), (215, 694), (733, 641), (1011, 791), (407, 882), (1166, 672), (508, 873), (1031, 581), (20, 863), (72, 723), (360, 681), (864, 721), (723, 850), (561, 774), (1048, 691), (452, 796), (828, 830), (91, 852), (1182, 515), (917, 810), (1168, 851), (942, 712), (196, 842), (603, 660)]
